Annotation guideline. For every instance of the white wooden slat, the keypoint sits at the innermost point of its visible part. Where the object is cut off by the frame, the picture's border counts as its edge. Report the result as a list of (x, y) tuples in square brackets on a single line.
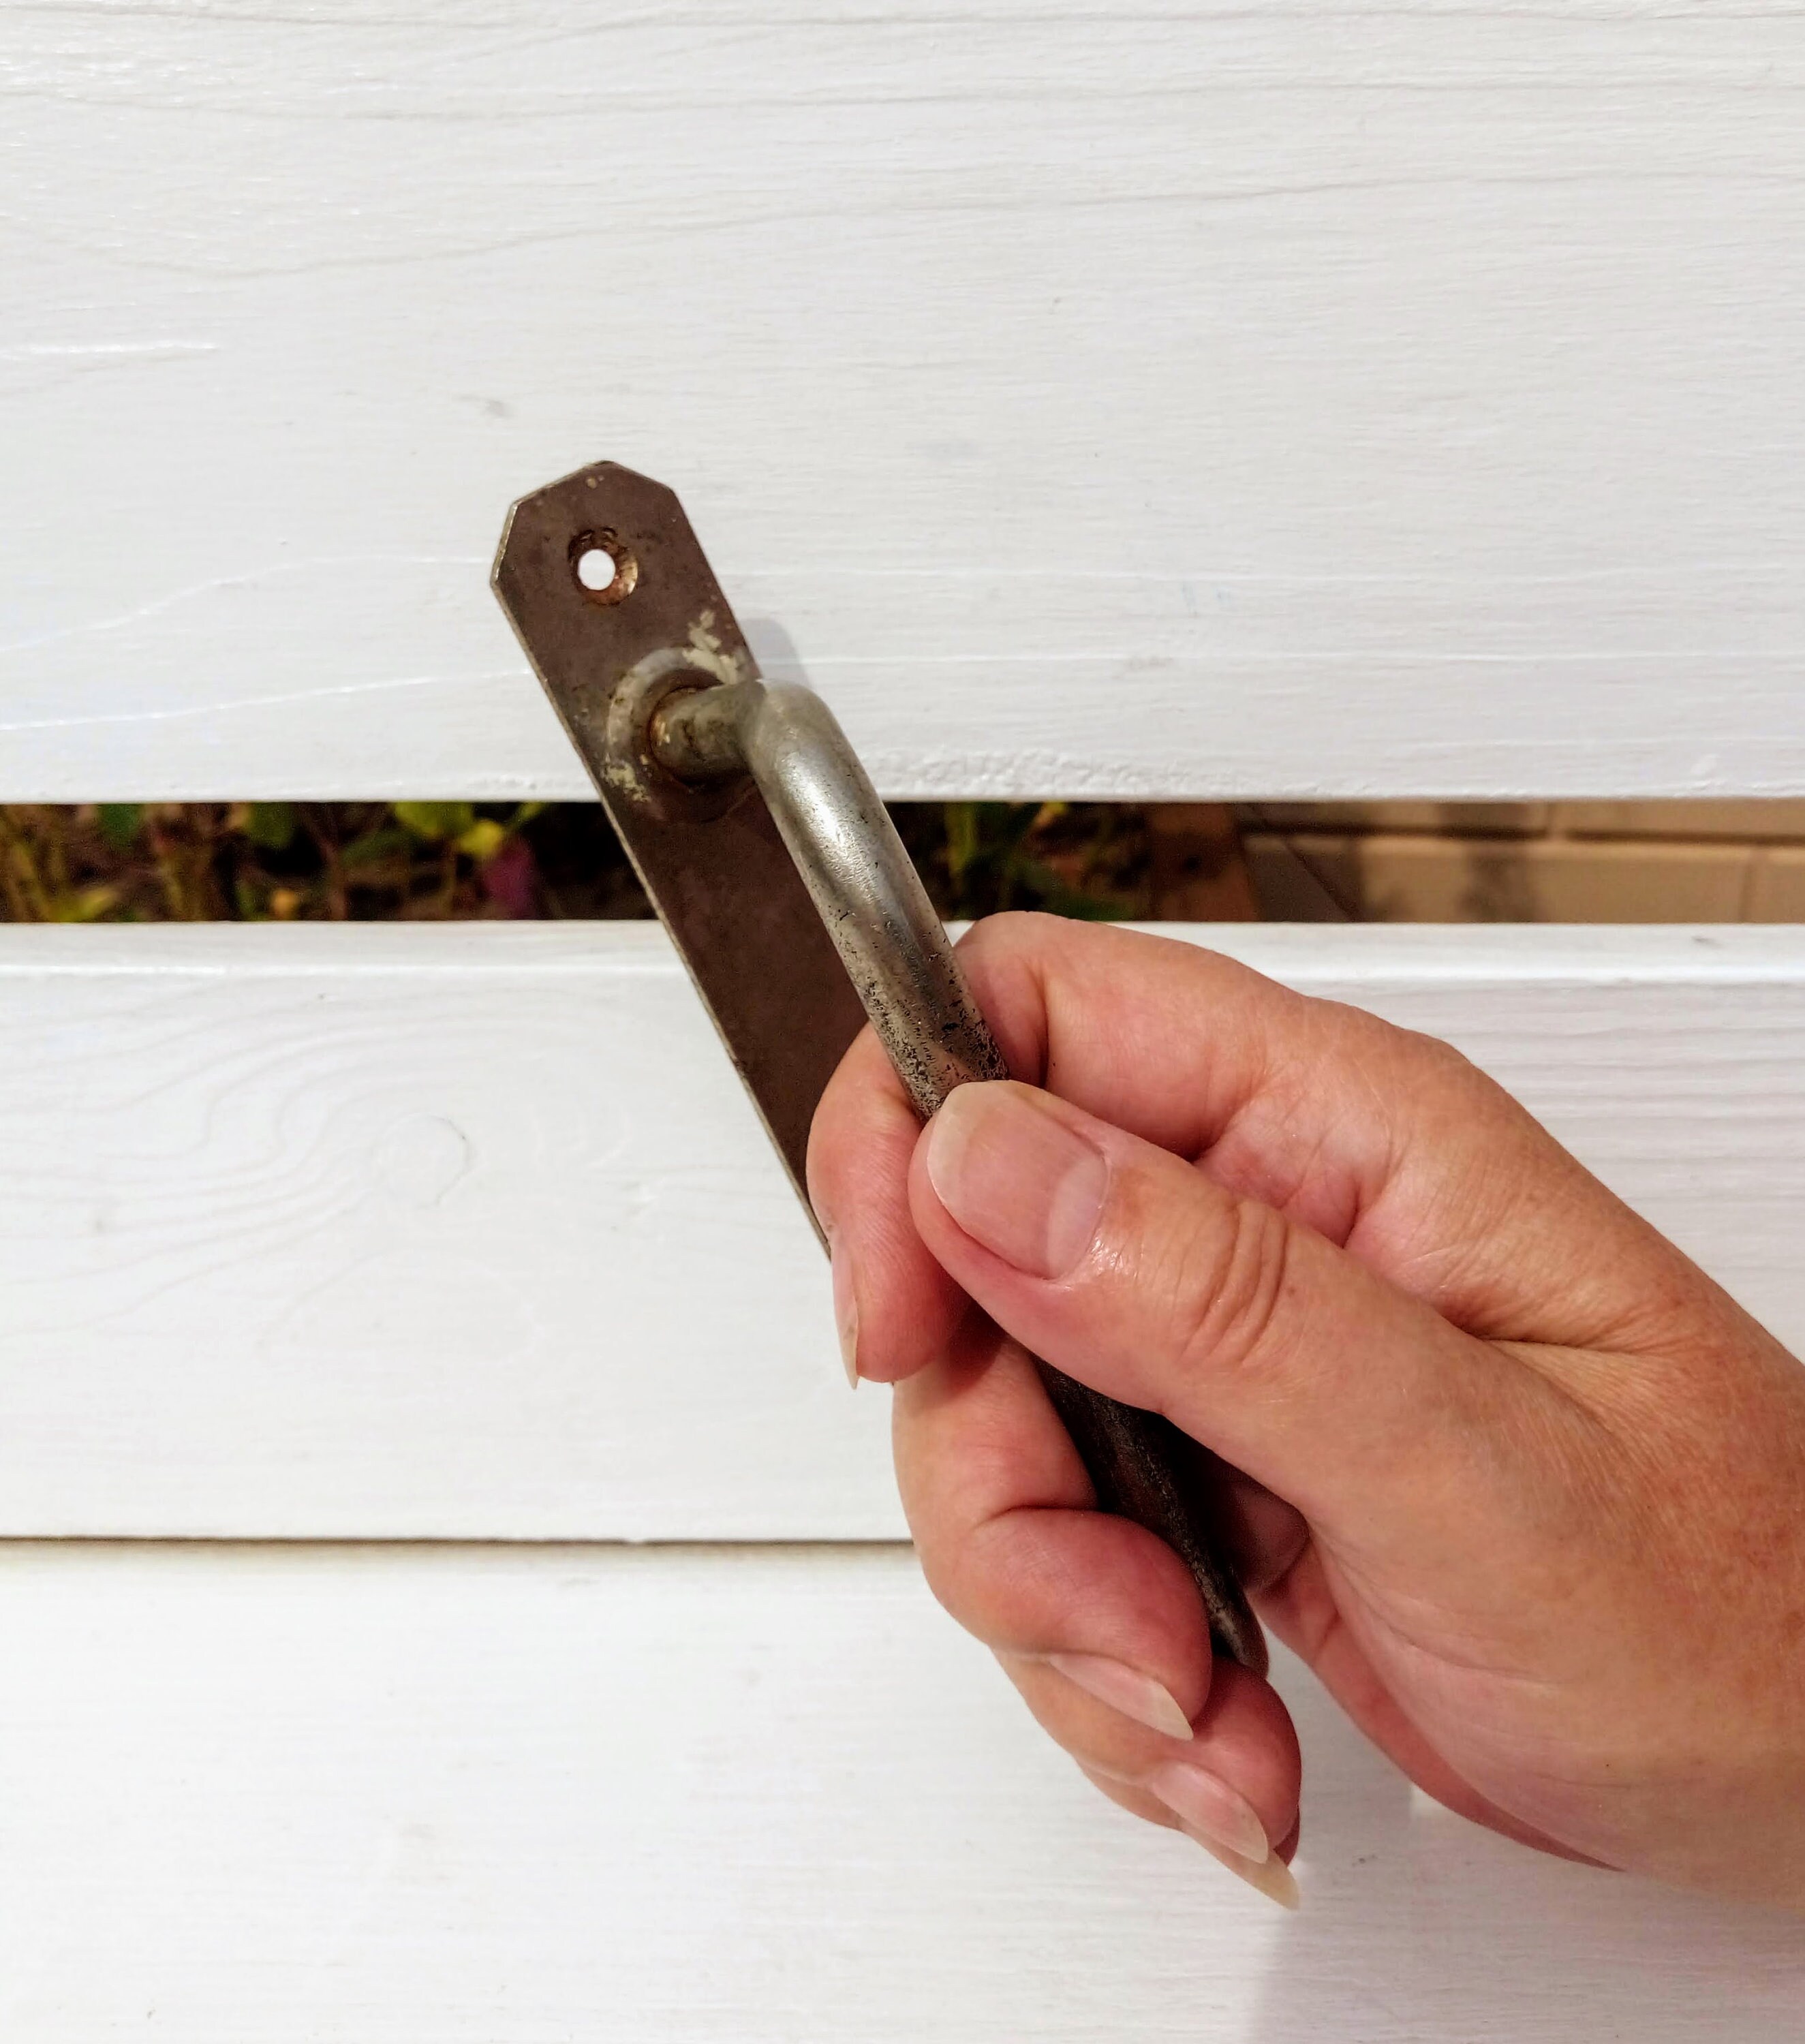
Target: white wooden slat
[(1336, 398), (479, 1797), (386, 1232)]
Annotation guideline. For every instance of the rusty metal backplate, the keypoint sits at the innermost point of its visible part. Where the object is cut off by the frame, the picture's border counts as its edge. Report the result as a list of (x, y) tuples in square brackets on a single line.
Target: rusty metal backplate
[(712, 861)]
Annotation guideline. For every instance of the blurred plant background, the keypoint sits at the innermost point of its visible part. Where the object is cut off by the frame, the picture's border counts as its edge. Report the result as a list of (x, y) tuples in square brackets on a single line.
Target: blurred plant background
[(1673, 862), (299, 862)]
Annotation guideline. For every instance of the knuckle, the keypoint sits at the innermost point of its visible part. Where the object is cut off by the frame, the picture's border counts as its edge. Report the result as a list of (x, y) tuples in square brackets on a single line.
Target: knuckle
[(946, 1568), (1230, 1282), (971, 1571), (1432, 1062), (1014, 961), (1010, 933)]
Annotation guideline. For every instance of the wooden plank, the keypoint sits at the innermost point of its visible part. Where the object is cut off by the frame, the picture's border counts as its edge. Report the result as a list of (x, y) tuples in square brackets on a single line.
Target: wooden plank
[(468, 1232), (1288, 400), (490, 1798)]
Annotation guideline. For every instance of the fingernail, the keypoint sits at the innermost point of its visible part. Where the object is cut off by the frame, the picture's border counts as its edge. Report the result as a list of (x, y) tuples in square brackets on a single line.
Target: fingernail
[(1125, 1690), (1208, 1808), (846, 1308), (1271, 1876), (1014, 1178)]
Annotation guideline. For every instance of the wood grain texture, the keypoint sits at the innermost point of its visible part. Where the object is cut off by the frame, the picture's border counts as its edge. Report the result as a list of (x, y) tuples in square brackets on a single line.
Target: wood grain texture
[(398, 1231), (1331, 399), (485, 1798)]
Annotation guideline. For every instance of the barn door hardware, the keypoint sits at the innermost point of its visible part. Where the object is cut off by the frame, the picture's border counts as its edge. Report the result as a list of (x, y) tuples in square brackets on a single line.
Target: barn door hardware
[(789, 897)]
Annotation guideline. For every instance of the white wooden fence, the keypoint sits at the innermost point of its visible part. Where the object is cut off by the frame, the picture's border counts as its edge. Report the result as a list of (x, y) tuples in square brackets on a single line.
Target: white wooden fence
[(1325, 398)]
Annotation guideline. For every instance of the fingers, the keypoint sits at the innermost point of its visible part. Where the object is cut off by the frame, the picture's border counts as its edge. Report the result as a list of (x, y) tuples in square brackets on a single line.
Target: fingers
[(1001, 1511), (1132, 1271), (1098, 1624), (1272, 1876), (895, 1308), (1232, 1779), (1386, 1143)]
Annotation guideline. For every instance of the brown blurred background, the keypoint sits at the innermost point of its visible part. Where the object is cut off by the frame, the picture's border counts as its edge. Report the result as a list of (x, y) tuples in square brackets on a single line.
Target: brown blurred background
[(1698, 861)]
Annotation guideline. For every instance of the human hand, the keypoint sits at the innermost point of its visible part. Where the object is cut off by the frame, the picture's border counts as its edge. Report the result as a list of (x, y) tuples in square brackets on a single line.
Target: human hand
[(1521, 1486)]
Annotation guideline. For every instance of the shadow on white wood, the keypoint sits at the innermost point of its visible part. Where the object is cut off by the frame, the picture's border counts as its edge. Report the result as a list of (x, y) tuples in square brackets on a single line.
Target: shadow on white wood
[(495, 1797), (1328, 398), (470, 1232)]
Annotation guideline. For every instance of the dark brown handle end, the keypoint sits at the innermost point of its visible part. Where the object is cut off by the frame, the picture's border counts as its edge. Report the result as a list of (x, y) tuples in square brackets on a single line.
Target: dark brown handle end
[(1146, 1470)]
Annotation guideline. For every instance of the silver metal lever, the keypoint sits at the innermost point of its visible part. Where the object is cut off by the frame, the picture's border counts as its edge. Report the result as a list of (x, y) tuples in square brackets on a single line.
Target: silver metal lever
[(857, 873)]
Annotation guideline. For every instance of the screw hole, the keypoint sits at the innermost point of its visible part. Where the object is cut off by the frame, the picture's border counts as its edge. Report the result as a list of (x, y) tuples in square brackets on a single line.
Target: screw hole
[(596, 571), (606, 570)]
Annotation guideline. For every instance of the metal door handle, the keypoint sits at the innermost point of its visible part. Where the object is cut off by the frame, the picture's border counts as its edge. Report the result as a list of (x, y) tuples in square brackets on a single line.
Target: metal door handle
[(752, 824)]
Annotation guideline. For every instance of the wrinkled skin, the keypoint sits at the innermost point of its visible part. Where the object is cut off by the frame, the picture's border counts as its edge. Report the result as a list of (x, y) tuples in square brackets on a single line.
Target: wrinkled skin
[(1523, 1486)]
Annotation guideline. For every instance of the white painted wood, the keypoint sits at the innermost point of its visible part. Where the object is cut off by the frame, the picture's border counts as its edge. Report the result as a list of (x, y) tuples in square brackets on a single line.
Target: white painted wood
[(468, 1232), (1340, 397), (493, 1798)]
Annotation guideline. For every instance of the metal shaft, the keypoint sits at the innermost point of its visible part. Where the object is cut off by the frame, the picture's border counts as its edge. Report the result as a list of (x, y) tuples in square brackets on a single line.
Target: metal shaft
[(856, 871)]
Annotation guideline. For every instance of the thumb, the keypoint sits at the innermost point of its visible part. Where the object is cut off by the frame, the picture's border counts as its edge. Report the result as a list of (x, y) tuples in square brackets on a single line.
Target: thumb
[(1126, 1267)]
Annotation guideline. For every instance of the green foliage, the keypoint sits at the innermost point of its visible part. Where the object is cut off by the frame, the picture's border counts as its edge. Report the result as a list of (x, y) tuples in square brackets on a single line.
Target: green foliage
[(271, 826), (435, 821), (120, 822), (1069, 859), (85, 904), (483, 840), (373, 846), (129, 862)]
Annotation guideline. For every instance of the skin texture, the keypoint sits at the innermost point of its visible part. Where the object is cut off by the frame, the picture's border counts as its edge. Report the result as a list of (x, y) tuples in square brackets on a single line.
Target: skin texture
[(1520, 1483)]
